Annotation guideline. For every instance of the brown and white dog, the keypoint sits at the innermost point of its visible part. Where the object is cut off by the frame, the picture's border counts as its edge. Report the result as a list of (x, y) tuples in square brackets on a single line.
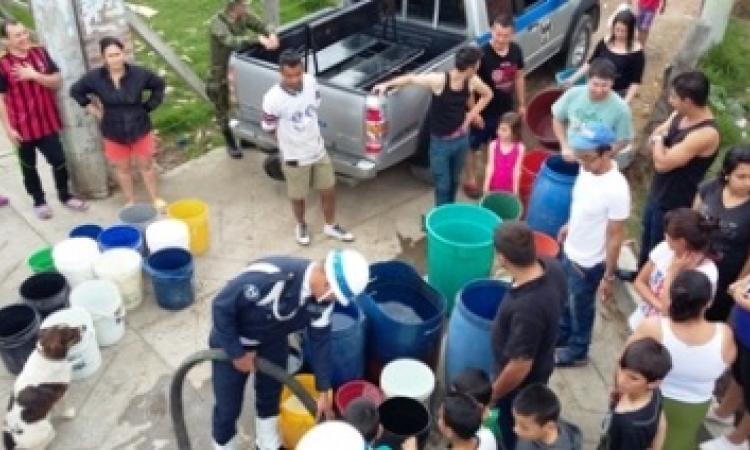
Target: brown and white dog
[(40, 386)]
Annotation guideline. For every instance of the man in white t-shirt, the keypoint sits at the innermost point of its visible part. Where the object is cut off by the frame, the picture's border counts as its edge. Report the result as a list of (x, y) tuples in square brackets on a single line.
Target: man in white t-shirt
[(290, 112), (591, 238)]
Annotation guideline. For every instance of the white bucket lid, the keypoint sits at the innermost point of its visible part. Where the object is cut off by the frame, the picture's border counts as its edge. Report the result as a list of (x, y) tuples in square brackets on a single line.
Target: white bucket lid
[(407, 378), (77, 250), (117, 261), (332, 435), (101, 298)]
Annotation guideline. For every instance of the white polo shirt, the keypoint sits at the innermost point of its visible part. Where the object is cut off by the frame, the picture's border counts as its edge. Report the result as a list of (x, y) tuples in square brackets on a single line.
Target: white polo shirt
[(294, 116), (597, 199)]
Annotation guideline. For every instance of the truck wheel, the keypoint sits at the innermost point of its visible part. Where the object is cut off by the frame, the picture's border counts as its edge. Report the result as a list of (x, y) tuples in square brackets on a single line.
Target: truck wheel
[(580, 42)]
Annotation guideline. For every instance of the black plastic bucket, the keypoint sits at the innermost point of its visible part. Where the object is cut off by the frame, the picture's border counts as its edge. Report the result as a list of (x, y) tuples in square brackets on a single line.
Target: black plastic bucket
[(19, 326), (401, 418), (46, 292)]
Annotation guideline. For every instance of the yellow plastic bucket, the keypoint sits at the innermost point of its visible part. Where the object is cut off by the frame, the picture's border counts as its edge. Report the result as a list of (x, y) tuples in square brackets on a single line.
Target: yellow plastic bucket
[(294, 419), (195, 215)]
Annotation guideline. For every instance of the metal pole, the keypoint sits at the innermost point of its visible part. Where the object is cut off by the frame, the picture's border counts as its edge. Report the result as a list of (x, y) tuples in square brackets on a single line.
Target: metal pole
[(57, 27)]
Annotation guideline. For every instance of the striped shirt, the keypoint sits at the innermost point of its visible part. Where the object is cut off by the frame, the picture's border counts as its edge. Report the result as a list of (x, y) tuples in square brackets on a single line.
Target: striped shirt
[(32, 108)]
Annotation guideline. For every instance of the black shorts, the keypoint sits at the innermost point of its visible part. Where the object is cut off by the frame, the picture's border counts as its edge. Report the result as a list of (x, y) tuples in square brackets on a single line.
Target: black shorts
[(741, 371)]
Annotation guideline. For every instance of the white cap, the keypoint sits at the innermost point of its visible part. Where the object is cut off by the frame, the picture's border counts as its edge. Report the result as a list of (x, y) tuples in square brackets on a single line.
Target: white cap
[(348, 273), (332, 435)]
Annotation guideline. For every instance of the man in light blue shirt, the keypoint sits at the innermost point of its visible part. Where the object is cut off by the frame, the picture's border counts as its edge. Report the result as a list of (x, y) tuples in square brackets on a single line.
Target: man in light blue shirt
[(594, 103)]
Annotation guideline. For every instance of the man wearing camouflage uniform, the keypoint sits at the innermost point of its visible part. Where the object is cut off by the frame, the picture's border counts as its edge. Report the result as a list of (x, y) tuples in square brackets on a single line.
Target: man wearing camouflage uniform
[(232, 29)]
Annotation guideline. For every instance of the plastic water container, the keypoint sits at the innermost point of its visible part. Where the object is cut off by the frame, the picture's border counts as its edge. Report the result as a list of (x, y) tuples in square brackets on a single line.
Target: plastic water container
[(74, 259), (87, 230), (171, 271), (139, 215), (408, 378), (294, 419), (470, 328), (459, 247), (354, 390), (506, 205), (45, 292), (401, 418), (167, 233), (530, 167), (195, 215), (84, 358), (405, 317), (538, 117), (102, 300), (123, 266), (549, 207), (121, 236), (545, 245), (19, 327), (41, 261), (332, 435)]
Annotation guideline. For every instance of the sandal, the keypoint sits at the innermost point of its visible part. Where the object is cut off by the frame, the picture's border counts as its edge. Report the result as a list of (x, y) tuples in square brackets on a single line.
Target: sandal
[(160, 205), (76, 204), (43, 212), (4, 201)]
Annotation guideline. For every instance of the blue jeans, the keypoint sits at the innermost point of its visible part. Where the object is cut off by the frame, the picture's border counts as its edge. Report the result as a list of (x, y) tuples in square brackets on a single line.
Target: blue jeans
[(653, 230), (577, 320), (447, 157)]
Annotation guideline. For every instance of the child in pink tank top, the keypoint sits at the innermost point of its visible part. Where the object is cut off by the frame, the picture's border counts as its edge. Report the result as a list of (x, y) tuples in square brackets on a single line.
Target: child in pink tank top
[(504, 156)]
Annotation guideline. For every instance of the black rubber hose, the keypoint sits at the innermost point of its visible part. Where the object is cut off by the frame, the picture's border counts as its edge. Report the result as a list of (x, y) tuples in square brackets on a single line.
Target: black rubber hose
[(175, 389)]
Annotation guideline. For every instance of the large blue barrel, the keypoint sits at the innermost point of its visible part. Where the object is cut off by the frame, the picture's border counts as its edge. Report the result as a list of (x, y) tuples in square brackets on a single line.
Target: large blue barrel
[(405, 317), (469, 342), (549, 206), (347, 345), (171, 271)]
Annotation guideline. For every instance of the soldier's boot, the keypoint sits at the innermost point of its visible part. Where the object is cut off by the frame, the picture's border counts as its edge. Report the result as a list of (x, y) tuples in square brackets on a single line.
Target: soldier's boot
[(231, 144)]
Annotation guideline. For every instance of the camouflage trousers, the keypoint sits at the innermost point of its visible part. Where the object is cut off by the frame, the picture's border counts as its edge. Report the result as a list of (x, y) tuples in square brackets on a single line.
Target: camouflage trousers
[(218, 93)]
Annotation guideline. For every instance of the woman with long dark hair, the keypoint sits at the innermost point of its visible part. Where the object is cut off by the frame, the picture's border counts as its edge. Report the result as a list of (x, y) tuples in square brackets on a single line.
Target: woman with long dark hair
[(624, 51), (123, 114), (726, 198)]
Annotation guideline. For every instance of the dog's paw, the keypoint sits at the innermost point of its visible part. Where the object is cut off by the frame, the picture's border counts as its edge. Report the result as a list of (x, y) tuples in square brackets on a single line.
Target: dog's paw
[(69, 413)]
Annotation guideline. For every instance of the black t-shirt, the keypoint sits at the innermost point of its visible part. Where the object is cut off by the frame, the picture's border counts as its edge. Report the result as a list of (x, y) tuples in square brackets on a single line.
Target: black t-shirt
[(499, 73), (527, 322), (635, 430), (731, 244), (629, 65)]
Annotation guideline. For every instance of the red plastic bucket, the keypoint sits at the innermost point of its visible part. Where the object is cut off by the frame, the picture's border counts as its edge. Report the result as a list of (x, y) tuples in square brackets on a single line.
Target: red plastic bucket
[(530, 166), (546, 246), (354, 390), (539, 117)]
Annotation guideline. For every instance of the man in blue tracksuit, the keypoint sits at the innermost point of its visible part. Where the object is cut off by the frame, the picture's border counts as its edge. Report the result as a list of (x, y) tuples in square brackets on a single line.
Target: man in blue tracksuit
[(253, 316)]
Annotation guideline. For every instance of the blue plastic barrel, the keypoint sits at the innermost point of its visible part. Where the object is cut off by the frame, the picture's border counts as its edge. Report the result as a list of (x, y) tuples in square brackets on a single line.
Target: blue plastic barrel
[(121, 236), (405, 317), (171, 271), (87, 230), (459, 247), (347, 345), (470, 328), (549, 206)]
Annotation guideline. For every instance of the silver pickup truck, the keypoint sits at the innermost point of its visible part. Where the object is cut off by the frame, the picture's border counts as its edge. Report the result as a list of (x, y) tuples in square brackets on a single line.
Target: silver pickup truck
[(352, 47)]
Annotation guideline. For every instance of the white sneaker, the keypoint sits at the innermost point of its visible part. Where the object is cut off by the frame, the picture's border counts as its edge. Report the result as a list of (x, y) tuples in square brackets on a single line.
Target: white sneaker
[(302, 234), (231, 445), (337, 232), (722, 443), (712, 417)]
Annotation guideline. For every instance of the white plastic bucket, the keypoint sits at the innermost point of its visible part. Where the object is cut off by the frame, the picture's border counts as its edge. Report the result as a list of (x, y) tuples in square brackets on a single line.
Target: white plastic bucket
[(74, 259), (101, 298), (123, 266), (84, 357), (167, 233), (407, 378), (332, 435)]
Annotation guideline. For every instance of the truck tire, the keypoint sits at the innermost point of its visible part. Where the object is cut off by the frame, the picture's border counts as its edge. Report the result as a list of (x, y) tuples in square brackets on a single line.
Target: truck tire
[(575, 53)]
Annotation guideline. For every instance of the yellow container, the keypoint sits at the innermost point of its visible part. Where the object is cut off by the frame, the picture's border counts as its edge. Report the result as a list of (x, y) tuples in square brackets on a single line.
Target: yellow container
[(294, 419), (195, 215)]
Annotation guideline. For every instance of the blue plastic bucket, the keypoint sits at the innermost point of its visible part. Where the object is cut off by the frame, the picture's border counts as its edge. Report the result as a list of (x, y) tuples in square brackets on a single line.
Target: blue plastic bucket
[(19, 326), (87, 230), (121, 236), (347, 345), (405, 317), (470, 328), (171, 271), (549, 206)]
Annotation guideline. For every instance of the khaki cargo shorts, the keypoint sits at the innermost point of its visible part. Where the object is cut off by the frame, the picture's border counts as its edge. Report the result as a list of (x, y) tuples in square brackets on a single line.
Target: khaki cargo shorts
[(300, 179)]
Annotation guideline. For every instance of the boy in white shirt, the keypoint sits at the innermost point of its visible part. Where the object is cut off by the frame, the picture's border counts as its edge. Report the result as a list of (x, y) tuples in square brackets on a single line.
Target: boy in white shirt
[(290, 113)]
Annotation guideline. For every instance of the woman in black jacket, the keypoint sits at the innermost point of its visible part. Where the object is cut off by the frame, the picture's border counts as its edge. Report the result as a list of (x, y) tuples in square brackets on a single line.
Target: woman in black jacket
[(123, 114)]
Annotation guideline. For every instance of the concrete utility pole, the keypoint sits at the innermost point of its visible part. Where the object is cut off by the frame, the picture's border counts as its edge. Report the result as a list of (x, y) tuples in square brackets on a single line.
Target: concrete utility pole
[(271, 12)]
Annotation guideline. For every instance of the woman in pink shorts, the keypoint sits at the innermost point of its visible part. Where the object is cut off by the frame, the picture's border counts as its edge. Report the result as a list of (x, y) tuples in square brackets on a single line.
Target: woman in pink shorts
[(123, 115)]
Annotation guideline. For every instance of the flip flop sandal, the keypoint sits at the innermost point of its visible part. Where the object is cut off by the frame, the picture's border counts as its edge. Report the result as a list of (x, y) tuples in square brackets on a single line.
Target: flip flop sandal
[(4, 201), (76, 204), (43, 212)]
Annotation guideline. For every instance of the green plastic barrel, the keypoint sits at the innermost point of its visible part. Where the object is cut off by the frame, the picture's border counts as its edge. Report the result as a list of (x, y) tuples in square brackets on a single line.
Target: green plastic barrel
[(507, 206), (459, 247), (41, 261)]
